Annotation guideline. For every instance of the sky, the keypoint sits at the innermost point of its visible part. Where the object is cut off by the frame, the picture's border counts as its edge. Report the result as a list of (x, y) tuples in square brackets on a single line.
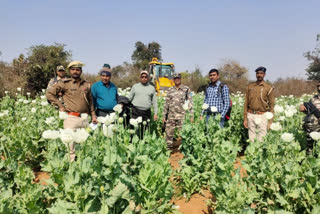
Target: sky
[(273, 33)]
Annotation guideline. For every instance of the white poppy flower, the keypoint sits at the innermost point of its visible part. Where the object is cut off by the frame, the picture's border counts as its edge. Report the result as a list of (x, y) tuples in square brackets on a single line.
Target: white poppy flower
[(133, 122), (257, 120), (107, 130), (139, 119), (6, 112), (24, 119), (185, 106), (33, 110), (282, 118), (44, 103), (18, 89), (315, 135), (288, 113), (110, 118), (43, 97), (84, 116), (213, 109), (6, 92), (278, 109), (120, 120), (66, 136), (1, 114), (26, 101), (63, 115), (20, 100), (50, 134), (118, 108), (49, 120), (80, 135), (34, 101), (205, 106), (28, 93), (144, 123), (101, 119), (43, 90), (287, 137), (276, 126), (268, 115)]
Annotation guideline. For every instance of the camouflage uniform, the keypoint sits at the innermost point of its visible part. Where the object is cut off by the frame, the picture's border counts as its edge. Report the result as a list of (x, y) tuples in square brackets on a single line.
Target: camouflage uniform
[(54, 81), (173, 110), (311, 123)]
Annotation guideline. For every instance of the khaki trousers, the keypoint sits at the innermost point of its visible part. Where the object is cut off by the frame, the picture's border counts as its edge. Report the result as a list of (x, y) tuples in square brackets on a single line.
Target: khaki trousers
[(73, 122), (257, 126)]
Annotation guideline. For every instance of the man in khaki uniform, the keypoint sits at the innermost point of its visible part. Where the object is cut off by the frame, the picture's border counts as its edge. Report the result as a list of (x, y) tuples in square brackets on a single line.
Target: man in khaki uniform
[(77, 99), (178, 101), (259, 99), (61, 75)]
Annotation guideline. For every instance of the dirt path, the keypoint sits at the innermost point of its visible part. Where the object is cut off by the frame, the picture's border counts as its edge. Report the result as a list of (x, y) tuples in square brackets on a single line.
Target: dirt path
[(198, 202), (41, 177)]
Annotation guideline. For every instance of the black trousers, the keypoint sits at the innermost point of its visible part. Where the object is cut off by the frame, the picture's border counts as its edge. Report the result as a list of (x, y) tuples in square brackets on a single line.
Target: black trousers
[(145, 114), (103, 113)]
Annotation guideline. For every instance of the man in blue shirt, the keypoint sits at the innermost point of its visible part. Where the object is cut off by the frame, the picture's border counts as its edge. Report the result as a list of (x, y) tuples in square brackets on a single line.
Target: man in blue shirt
[(104, 93), (217, 99)]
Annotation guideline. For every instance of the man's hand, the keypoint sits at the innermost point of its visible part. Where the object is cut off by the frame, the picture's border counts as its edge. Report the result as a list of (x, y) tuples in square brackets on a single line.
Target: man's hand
[(94, 120), (155, 117), (269, 125), (245, 123), (302, 108), (62, 109)]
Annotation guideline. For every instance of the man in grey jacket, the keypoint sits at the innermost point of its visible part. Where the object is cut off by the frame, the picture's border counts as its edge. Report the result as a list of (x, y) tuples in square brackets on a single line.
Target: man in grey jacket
[(143, 97)]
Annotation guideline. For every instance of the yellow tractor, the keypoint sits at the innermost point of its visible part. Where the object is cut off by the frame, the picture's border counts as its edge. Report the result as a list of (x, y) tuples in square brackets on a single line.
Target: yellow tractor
[(161, 74)]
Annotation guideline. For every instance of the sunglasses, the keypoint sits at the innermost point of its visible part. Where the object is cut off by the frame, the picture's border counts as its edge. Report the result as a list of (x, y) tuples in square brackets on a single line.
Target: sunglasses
[(61, 70), (143, 77)]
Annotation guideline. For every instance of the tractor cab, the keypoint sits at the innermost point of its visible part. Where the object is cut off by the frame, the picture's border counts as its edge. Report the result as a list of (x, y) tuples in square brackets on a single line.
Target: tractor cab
[(161, 74)]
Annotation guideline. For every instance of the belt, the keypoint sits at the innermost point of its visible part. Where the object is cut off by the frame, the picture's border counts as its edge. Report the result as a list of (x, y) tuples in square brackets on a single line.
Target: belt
[(77, 114), (255, 112), (105, 111)]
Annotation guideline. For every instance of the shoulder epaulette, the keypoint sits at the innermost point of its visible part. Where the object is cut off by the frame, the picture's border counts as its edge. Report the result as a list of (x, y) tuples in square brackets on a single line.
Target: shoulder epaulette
[(66, 80)]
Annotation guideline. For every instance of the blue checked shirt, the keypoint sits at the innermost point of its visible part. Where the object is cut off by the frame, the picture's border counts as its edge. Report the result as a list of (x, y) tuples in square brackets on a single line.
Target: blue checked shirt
[(218, 98)]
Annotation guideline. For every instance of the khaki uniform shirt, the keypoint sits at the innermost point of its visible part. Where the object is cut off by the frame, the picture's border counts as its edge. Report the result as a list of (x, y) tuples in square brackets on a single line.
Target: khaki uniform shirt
[(259, 98), (76, 96), (175, 99)]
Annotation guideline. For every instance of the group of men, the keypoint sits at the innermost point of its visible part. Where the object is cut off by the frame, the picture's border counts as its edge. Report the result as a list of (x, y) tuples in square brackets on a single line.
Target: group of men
[(76, 96)]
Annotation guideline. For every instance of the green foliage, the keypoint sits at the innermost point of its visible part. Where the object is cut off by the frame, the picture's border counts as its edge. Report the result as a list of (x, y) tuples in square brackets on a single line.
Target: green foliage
[(143, 54), (42, 62), (313, 70)]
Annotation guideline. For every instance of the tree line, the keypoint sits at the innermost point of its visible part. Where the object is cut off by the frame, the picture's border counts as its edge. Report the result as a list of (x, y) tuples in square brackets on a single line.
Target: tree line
[(33, 71)]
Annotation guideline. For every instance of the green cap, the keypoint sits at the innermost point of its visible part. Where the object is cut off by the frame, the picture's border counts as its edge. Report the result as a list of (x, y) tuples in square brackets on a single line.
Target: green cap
[(106, 66)]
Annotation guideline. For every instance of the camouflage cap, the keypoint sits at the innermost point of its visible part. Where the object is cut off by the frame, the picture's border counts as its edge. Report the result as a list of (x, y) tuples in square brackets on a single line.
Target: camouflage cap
[(177, 75), (76, 64), (60, 68), (144, 72)]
